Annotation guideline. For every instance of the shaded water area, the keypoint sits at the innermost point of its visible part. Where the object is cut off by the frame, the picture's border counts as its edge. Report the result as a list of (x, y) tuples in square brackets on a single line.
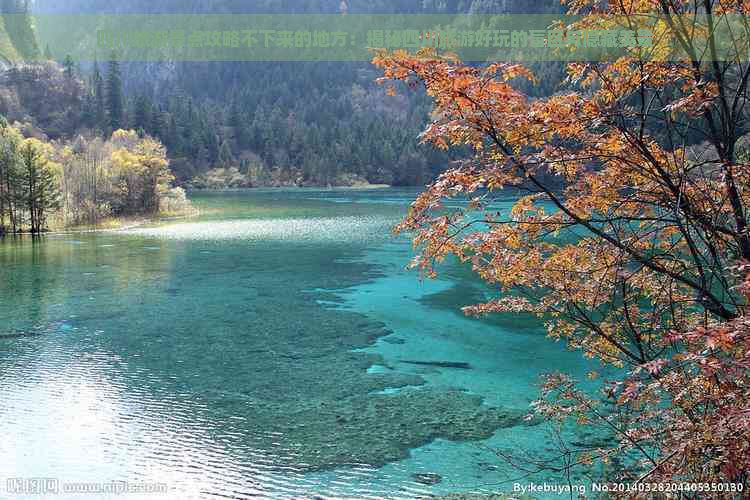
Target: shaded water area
[(273, 347)]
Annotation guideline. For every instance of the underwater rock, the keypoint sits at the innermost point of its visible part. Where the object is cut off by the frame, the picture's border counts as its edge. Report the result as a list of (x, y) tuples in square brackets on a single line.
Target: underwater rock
[(290, 377), (428, 478), (376, 429), (440, 364)]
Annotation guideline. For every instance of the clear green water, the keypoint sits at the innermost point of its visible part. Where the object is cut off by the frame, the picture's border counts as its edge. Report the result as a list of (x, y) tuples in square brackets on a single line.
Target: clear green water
[(260, 350)]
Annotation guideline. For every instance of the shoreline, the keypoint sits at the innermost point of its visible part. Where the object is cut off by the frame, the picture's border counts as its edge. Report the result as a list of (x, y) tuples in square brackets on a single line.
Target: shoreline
[(363, 187), (123, 223), (108, 224), (130, 222)]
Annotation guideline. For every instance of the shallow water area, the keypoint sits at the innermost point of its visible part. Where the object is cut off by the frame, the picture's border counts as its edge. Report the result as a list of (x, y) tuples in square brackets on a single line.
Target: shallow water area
[(272, 347)]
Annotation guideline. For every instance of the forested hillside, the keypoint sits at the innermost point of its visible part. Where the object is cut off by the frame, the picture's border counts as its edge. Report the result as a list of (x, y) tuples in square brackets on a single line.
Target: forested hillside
[(280, 123), (17, 37), (64, 160)]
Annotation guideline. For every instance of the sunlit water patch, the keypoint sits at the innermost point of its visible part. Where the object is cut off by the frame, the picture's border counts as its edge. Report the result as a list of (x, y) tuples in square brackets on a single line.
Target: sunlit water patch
[(338, 230)]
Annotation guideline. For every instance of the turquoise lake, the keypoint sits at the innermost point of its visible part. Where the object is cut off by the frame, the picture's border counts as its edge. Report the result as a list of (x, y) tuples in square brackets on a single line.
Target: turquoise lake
[(272, 347)]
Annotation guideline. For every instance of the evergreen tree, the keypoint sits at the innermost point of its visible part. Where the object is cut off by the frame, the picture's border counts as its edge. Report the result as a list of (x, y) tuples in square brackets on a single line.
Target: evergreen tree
[(225, 154), (115, 106), (41, 191), (158, 124), (97, 85), (142, 114), (173, 139), (69, 66)]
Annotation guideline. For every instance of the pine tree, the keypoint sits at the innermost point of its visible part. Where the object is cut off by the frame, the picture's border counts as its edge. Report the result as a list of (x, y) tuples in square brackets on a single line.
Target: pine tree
[(225, 155), (115, 106), (41, 192), (69, 66), (173, 139), (97, 85), (158, 124), (142, 114)]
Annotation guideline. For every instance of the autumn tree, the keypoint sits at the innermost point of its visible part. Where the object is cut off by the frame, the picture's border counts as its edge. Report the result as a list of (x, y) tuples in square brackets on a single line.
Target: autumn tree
[(630, 233), (140, 170), (86, 180), (156, 174)]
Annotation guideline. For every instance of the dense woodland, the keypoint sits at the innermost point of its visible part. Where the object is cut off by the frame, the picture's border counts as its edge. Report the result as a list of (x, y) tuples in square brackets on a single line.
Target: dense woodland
[(249, 124), (224, 124), (64, 156), (340, 133)]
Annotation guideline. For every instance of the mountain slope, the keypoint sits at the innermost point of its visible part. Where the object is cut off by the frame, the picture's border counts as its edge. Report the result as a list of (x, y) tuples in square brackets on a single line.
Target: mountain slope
[(297, 123), (8, 52)]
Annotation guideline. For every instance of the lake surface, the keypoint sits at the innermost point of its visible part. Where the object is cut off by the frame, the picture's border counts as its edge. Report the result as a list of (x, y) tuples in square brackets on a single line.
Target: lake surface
[(272, 347)]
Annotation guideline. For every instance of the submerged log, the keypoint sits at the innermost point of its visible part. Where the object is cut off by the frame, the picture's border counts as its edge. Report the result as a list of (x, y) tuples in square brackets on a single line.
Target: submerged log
[(440, 364)]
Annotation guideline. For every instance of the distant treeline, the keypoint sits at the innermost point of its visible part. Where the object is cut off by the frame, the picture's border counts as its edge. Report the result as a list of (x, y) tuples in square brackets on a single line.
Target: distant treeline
[(325, 128)]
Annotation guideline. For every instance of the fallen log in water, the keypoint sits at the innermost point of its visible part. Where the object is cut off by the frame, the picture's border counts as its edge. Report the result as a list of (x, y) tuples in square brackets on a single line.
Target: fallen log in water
[(440, 364)]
